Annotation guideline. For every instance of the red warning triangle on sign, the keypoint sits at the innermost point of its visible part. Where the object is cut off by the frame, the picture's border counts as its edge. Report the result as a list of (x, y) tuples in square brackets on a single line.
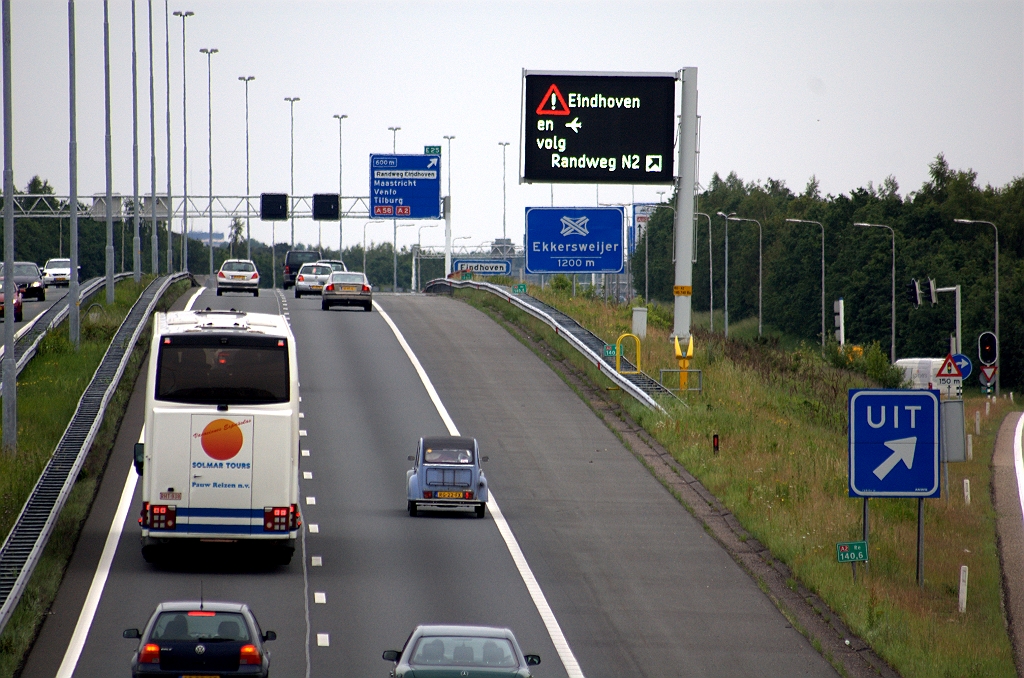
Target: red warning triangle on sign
[(553, 103), (988, 373), (949, 369)]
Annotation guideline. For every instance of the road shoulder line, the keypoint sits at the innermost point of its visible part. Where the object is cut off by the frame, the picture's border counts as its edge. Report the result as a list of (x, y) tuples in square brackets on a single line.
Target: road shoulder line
[(565, 654), (1008, 502)]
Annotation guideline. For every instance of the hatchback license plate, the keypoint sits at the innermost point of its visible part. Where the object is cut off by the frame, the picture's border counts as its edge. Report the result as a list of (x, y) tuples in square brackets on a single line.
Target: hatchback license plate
[(316, 287), (449, 495), (238, 277)]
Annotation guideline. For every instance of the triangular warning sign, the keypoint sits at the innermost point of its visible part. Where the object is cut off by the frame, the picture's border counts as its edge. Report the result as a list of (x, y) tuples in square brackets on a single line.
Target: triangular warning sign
[(949, 369), (553, 103)]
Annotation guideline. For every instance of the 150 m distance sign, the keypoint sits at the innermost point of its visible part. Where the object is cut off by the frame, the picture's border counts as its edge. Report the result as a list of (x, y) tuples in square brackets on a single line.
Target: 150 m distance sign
[(599, 127)]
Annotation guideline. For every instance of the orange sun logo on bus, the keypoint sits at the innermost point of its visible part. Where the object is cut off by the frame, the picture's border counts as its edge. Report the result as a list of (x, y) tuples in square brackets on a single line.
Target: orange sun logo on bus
[(222, 439)]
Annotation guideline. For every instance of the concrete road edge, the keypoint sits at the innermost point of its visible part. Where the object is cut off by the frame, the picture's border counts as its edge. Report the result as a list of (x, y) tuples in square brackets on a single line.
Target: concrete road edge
[(1010, 533)]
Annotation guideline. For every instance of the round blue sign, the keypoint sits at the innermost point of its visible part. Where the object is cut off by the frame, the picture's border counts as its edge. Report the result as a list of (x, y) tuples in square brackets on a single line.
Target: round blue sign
[(964, 363)]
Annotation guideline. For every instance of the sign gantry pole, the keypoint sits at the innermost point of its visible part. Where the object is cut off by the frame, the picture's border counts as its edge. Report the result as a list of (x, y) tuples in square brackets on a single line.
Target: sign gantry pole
[(683, 287)]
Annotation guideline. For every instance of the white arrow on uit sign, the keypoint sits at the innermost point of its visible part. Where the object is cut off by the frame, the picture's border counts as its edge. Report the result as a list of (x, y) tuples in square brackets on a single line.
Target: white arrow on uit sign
[(902, 450)]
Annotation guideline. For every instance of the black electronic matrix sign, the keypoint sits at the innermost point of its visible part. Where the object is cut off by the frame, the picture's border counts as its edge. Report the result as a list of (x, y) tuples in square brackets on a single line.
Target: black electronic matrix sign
[(608, 129)]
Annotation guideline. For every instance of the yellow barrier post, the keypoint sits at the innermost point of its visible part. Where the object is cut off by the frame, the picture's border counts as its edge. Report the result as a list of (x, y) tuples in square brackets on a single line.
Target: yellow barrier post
[(618, 353), (684, 363)]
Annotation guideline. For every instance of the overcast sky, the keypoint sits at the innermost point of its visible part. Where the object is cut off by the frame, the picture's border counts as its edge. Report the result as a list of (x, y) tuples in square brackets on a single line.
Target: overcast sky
[(850, 92)]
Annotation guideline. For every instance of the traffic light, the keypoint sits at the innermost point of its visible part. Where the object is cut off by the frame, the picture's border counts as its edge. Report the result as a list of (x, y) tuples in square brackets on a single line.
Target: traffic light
[(988, 348), (274, 206), (933, 291), (325, 207), (914, 292), (839, 308)]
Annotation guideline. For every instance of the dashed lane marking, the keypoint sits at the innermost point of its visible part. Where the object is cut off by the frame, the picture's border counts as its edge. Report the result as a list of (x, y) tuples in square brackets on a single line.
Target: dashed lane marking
[(323, 640), (316, 561), (313, 528), (320, 598), (310, 501), (305, 453), (307, 475)]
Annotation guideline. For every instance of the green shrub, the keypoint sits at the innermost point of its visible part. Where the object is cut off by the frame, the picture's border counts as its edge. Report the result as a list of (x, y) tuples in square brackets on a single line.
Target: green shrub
[(561, 283)]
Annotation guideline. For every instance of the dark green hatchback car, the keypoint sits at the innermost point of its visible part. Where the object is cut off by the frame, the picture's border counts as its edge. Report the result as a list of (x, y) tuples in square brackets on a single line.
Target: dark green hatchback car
[(461, 652)]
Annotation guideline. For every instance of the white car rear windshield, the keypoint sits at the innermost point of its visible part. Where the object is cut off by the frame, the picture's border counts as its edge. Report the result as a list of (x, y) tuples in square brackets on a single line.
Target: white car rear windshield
[(223, 370), (435, 456), (464, 651), (242, 266), (200, 625)]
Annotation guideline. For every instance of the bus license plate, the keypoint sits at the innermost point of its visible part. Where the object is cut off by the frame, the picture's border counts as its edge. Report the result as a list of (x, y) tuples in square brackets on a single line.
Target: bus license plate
[(449, 495)]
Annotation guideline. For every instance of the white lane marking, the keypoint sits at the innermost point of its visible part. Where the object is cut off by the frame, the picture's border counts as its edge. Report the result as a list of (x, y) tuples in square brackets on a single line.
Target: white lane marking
[(313, 528), (302, 415), (310, 501), (572, 667), (323, 640), (1018, 462), (305, 604), (302, 433), (320, 598), (307, 475), (305, 453), (192, 299), (99, 578), (316, 561)]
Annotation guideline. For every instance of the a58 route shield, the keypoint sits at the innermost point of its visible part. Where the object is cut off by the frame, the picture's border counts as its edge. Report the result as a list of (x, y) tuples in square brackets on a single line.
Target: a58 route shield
[(599, 128)]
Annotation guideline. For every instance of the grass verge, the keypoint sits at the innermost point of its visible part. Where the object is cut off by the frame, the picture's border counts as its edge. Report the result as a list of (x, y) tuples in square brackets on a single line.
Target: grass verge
[(48, 393), (781, 418)]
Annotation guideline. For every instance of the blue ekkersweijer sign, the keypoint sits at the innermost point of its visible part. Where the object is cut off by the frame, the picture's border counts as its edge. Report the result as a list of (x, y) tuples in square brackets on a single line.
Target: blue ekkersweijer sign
[(574, 239)]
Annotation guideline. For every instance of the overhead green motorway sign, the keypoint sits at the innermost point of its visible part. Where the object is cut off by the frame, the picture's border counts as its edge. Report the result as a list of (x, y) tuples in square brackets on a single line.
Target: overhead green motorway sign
[(431, 150)]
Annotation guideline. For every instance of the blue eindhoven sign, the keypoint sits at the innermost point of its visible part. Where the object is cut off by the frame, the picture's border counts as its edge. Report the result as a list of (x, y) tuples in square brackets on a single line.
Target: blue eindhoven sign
[(483, 266), (894, 443), (405, 186), (574, 239)]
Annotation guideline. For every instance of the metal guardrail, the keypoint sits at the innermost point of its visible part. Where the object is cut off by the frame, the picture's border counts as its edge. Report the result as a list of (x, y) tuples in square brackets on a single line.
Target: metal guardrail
[(640, 385), (24, 545), (28, 338)]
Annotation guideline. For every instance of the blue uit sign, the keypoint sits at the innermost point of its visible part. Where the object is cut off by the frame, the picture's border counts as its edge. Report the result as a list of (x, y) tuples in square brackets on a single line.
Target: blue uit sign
[(894, 443), (405, 186), (574, 239), (483, 266)]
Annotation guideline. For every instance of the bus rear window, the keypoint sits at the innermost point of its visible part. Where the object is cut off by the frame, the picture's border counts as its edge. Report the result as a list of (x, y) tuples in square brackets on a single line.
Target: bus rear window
[(223, 370)]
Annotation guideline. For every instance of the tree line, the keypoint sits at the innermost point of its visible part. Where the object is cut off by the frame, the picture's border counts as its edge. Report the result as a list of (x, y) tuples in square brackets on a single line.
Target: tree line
[(929, 244)]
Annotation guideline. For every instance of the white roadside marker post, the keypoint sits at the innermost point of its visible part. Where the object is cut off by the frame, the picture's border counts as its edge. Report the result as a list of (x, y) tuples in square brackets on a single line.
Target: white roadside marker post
[(963, 589), (967, 492), (977, 422), (970, 447)]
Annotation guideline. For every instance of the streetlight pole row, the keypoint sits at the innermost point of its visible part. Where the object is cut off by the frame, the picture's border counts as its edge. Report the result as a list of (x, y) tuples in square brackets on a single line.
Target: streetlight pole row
[(291, 208), (184, 140), (246, 79), (394, 222), (209, 52), (341, 232)]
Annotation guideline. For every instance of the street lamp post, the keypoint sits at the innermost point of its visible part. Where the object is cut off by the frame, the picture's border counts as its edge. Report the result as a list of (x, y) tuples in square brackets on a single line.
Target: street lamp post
[(154, 236), (74, 325), (892, 346), (110, 179), (760, 269), (184, 141), (394, 222), (340, 190), (416, 269), (167, 100), (10, 365), (808, 221), (448, 212), (248, 236), (725, 308), (978, 221), (209, 52), (291, 197), (711, 277), (136, 242), (504, 208)]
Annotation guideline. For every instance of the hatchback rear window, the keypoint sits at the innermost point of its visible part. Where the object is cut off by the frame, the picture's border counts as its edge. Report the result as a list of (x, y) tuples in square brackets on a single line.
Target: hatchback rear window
[(315, 270), (200, 625), (243, 266), (434, 456)]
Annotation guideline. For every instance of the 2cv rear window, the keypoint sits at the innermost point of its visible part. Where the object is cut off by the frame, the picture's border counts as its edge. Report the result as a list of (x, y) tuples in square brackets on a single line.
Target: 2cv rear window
[(447, 456)]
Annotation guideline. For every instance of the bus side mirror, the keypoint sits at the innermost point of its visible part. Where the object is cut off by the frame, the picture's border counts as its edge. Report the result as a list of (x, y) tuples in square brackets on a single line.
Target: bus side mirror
[(140, 457)]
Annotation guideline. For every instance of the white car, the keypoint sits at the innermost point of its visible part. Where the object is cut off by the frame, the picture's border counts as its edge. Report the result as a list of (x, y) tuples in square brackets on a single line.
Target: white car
[(238, 275), (311, 279), (57, 273)]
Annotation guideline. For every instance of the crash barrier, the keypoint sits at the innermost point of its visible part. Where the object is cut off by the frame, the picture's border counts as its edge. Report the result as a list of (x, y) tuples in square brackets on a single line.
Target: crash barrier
[(24, 545), (634, 382), (28, 338)]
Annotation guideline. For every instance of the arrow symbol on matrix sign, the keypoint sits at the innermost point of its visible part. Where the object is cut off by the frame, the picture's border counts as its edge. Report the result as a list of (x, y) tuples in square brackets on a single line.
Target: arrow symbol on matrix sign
[(902, 450)]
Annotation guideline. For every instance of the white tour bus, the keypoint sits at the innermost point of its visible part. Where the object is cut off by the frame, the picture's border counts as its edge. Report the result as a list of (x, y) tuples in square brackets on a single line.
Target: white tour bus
[(220, 461)]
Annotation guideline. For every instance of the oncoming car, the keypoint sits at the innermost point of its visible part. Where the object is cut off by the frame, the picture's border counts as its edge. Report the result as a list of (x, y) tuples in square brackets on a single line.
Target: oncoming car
[(201, 638), (347, 289), (446, 474), (238, 275), (28, 279), (466, 651), (311, 279), (57, 272)]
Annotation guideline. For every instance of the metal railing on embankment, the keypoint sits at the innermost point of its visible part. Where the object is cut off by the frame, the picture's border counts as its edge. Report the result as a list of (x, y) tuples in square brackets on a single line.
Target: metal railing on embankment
[(25, 543), (641, 386)]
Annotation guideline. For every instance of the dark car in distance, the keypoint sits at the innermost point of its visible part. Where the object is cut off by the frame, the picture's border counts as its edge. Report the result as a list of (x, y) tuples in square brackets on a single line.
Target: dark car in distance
[(29, 280), (293, 261), (201, 639), (464, 651)]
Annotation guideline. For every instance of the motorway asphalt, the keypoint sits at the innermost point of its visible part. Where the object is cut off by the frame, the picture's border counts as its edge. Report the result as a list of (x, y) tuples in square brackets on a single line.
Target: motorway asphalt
[(30, 309), (638, 588)]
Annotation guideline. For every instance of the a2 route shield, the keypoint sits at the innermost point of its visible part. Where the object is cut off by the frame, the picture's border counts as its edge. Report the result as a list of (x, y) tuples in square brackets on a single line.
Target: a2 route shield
[(894, 443)]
